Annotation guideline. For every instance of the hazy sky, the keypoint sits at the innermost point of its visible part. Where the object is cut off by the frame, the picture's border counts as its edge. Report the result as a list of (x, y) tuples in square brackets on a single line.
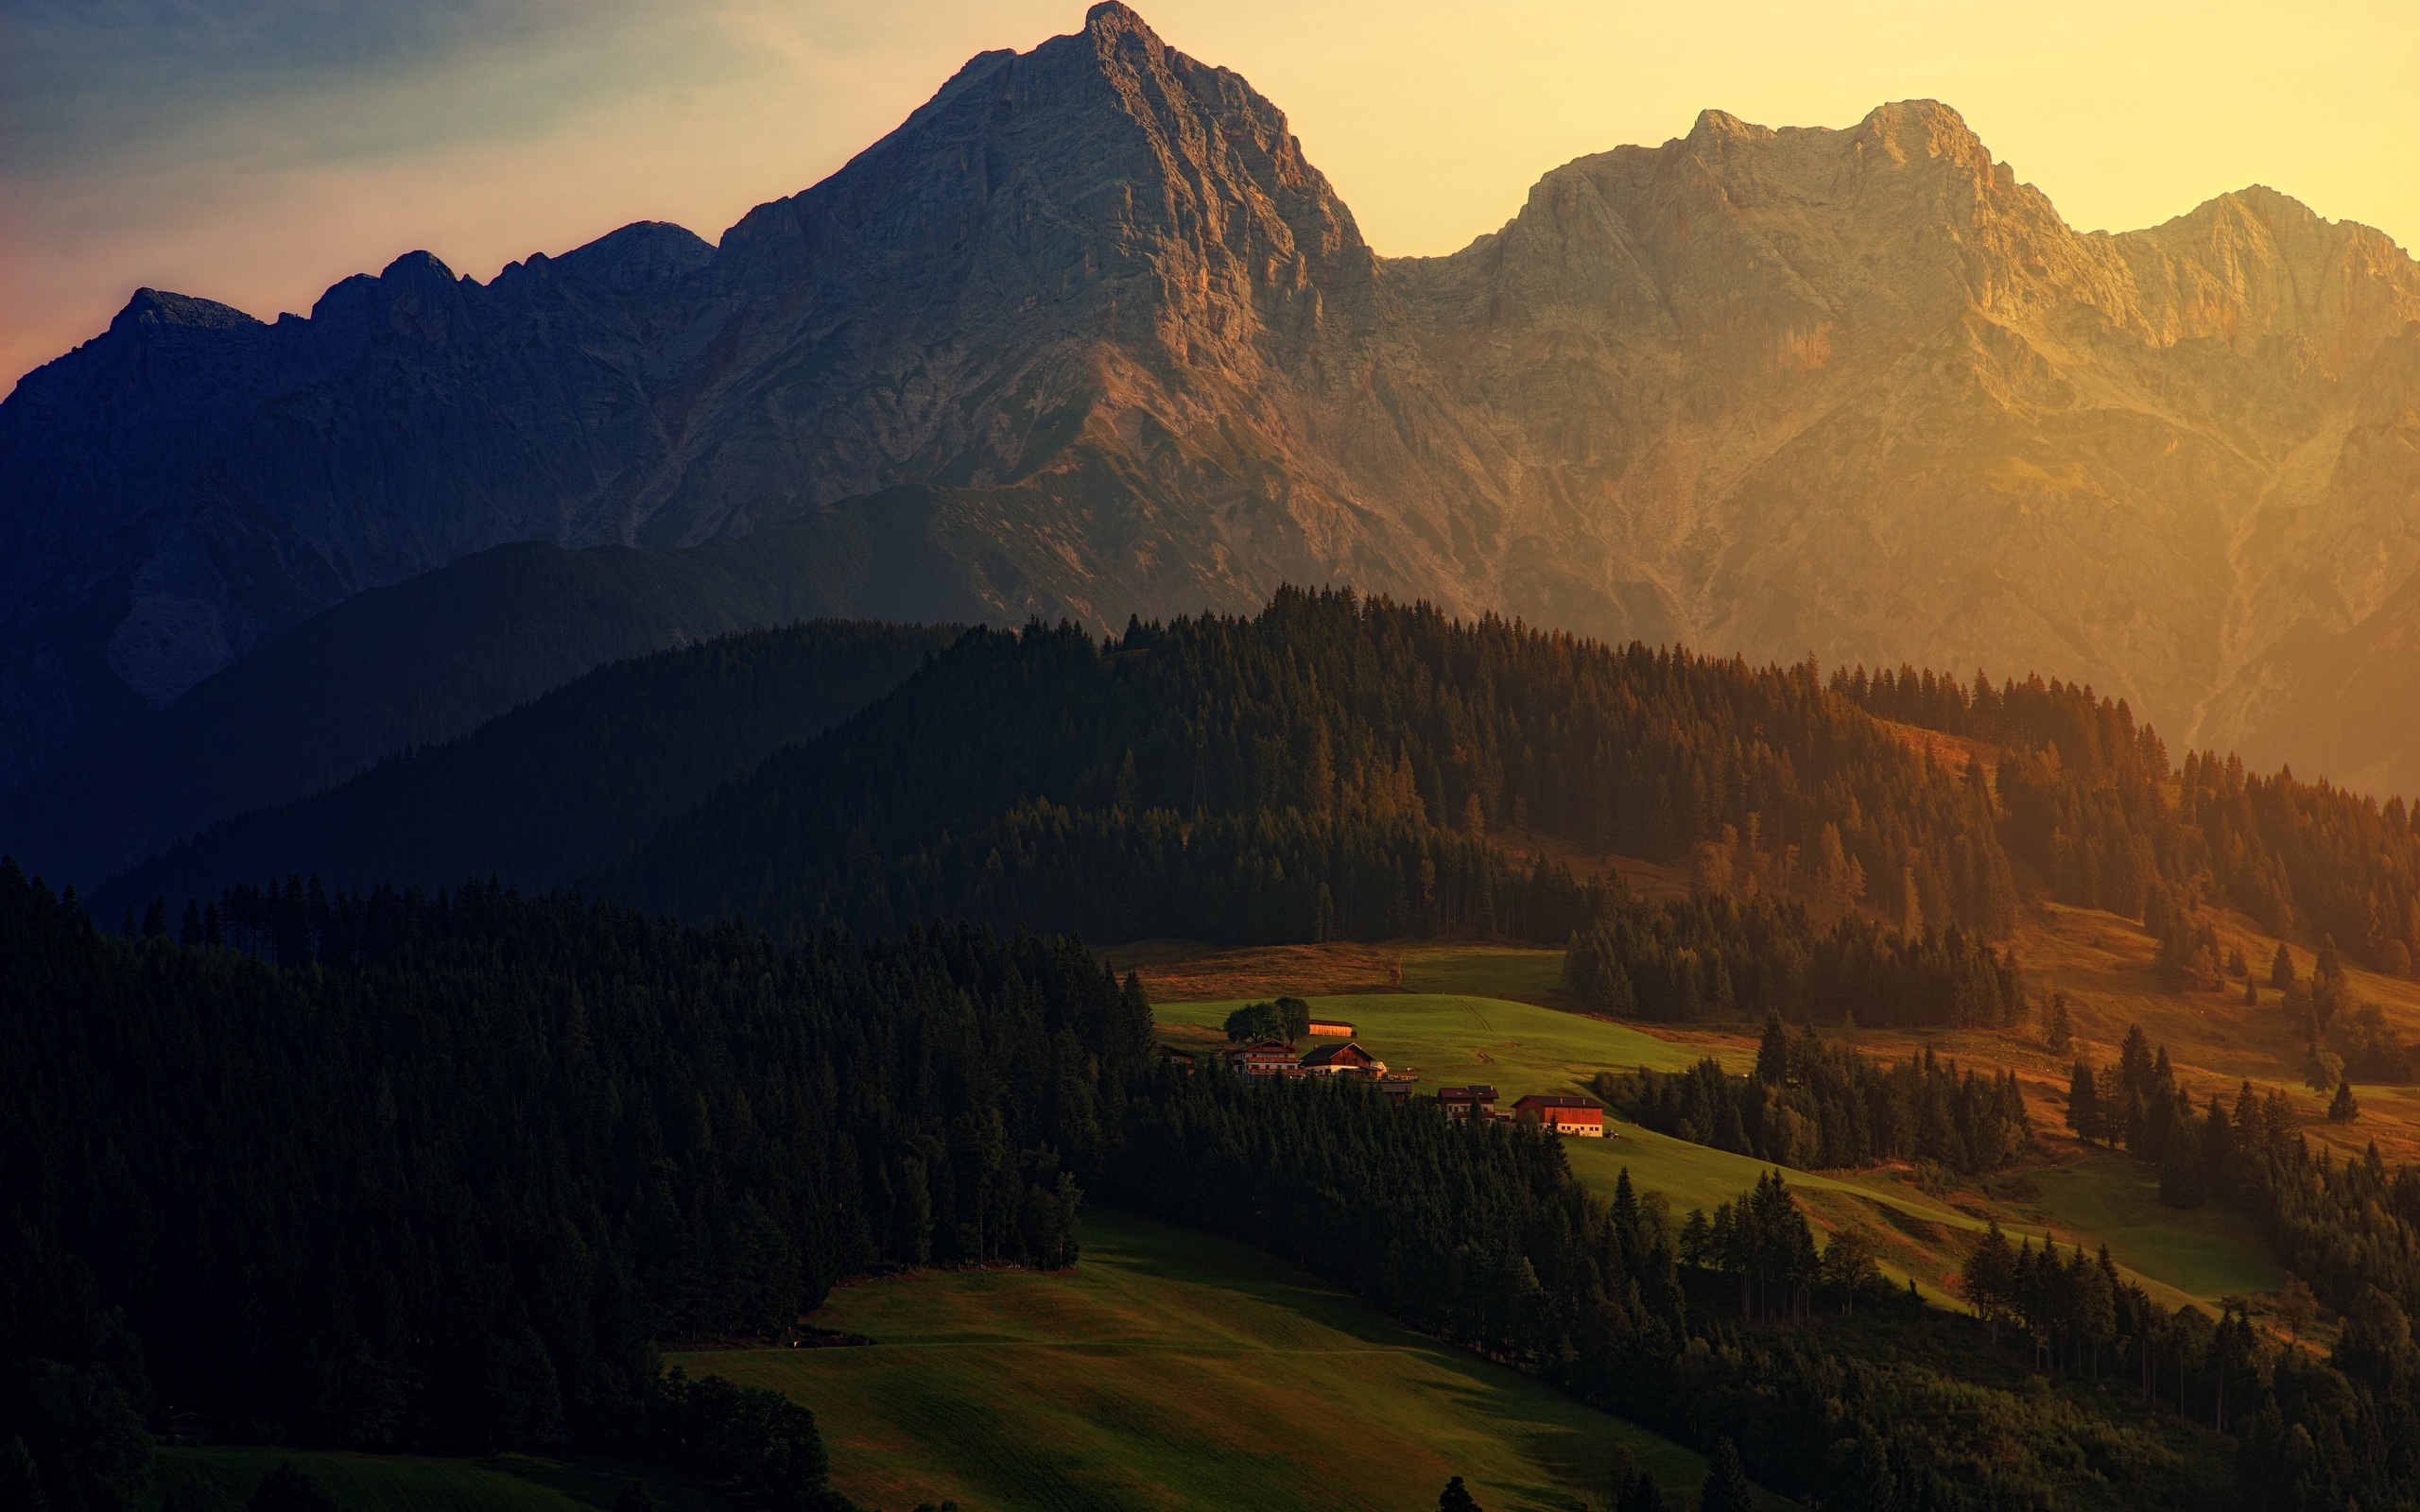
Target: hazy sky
[(255, 151)]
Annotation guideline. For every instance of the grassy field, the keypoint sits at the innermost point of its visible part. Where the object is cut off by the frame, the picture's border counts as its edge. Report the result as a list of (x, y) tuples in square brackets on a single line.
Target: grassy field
[(1449, 1037), (1174, 1370), (398, 1482), (1519, 973)]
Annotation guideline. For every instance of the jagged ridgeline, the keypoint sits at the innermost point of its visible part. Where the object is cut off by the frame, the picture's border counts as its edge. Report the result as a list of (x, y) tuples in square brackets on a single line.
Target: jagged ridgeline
[(1330, 768), (443, 1186)]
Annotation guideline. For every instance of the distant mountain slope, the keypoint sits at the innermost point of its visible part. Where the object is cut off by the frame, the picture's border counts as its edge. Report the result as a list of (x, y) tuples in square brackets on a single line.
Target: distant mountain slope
[(431, 658), (1857, 392), (560, 786)]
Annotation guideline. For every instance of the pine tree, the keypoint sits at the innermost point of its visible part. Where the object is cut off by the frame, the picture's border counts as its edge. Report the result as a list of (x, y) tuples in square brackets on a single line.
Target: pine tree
[(1456, 1497), (2343, 1109), (1726, 1483), (20, 1481), (2058, 1032), (2084, 1103), (2281, 968), (1643, 1495), (1991, 1277), (1773, 1053)]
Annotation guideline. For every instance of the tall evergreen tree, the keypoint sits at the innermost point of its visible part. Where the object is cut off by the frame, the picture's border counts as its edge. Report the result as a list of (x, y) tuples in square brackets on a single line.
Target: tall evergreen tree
[(1726, 1483)]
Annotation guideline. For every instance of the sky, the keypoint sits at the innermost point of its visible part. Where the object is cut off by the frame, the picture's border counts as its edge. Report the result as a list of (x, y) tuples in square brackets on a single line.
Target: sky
[(255, 151)]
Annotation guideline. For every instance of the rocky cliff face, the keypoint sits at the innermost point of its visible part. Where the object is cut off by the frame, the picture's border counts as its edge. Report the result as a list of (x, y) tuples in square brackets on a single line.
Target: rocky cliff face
[(1856, 392)]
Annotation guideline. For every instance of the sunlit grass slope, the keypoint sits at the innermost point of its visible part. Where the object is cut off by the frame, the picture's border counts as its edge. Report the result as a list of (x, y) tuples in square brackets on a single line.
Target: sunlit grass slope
[(1170, 1369), (2198, 1256)]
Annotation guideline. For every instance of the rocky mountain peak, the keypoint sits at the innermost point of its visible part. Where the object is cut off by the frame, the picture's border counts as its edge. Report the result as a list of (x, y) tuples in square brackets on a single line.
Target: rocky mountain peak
[(158, 307), (1087, 335)]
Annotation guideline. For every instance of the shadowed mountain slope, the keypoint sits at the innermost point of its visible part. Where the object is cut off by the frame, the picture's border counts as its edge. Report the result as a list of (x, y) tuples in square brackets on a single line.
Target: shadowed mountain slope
[(562, 785), (434, 658)]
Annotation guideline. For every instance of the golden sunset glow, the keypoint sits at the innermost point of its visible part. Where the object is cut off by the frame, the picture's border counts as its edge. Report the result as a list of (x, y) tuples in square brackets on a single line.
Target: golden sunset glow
[(259, 156)]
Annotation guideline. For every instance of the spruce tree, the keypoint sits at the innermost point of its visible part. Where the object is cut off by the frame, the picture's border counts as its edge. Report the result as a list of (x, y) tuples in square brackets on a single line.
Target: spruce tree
[(2084, 1101), (1456, 1497), (1726, 1483), (2343, 1109), (1773, 1053), (1644, 1495), (2281, 968)]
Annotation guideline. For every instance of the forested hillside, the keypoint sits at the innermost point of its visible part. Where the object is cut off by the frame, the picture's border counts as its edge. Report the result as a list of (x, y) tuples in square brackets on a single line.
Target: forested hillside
[(2094, 804), (440, 1176), (565, 784), (1361, 718)]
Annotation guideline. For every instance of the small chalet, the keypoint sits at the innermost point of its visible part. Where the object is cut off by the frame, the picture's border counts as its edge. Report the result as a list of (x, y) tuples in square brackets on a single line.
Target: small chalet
[(1562, 1113), (1265, 1057), (1181, 1060), (1462, 1102), (1337, 1028), (1347, 1059)]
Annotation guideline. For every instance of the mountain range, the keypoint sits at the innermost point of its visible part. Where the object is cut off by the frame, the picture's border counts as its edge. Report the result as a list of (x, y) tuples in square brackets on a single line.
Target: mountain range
[(1088, 336)]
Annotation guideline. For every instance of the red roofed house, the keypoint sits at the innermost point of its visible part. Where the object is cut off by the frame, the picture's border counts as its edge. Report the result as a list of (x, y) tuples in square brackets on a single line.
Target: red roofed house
[(1564, 1114), (1336, 1027), (1264, 1058), (1462, 1102), (1341, 1061)]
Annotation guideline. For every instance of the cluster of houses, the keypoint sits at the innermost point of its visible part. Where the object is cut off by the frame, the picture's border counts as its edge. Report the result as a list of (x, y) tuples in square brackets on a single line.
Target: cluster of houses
[(1561, 1112), (1276, 1058), (1558, 1112)]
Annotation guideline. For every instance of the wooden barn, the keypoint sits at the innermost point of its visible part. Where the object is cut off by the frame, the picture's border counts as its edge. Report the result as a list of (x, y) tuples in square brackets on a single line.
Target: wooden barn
[(1347, 1059), (1562, 1113)]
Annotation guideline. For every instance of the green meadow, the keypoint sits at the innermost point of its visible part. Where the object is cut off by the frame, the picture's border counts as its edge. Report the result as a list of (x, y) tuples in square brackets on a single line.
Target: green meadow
[(1452, 1038), (1449, 1037), (1525, 975), (1170, 1369), (402, 1483)]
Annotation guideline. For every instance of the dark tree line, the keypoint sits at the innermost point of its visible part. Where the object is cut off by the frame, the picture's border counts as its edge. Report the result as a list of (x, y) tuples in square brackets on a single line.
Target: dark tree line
[(1361, 716), (1813, 1106), (1269, 878), (1683, 959), (439, 1169)]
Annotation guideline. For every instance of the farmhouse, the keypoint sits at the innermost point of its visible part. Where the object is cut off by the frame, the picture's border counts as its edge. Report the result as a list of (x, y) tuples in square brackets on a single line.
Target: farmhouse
[(1181, 1060), (1462, 1102), (1345, 1059), (1336, 1027), (1564, 1114), (1265, 1057)]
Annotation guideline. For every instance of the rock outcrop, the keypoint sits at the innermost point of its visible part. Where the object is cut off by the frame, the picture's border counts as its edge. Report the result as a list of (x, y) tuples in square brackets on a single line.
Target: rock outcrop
[(1855, 392)]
